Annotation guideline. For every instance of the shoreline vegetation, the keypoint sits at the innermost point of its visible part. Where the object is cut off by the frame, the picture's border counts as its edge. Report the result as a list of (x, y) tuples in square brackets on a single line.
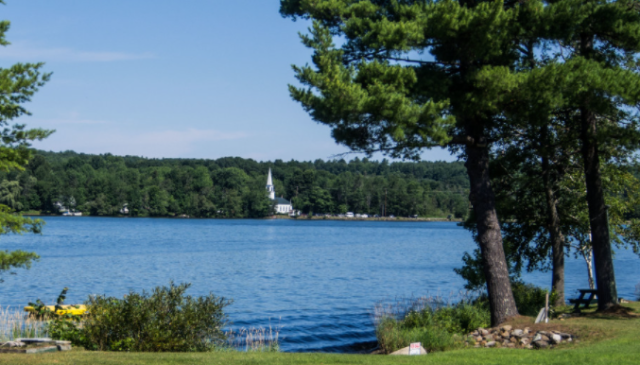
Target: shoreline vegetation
[(600, 338), (167, 319), (232, 187), (284, 217)]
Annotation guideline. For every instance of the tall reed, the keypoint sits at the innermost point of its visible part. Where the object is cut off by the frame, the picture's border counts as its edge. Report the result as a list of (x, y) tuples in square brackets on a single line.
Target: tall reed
[(16, 324), (400, 307), (254, 339)]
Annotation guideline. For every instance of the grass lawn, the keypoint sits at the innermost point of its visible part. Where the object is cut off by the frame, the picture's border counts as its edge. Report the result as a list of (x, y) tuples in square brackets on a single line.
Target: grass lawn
[(603, 339)]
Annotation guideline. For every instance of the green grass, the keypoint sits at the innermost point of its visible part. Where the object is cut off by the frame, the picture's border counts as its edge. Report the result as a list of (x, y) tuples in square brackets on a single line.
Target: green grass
[(603, 340)]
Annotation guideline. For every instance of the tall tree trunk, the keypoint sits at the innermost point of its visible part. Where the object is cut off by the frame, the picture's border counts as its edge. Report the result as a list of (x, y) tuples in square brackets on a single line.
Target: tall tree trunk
[(501, 301), (605, 276), (556, 236)]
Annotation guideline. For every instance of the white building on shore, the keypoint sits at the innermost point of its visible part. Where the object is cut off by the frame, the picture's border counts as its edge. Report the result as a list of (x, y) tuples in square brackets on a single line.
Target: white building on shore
[(283, 206)]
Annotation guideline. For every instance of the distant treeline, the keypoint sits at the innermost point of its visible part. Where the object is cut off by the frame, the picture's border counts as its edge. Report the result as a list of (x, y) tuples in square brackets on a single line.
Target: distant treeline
[(233, 187)]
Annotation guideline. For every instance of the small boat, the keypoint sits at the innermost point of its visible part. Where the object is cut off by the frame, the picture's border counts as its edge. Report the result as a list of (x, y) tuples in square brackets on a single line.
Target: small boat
[(76, 310)]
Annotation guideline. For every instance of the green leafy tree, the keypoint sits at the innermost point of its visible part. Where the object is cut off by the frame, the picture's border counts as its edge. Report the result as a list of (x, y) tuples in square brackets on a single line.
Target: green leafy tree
[(157, 201), (18, 83), (10, 194), (257, 204)]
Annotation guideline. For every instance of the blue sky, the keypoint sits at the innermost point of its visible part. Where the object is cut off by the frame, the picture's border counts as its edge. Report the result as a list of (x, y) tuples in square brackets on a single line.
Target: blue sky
[(194, 79)]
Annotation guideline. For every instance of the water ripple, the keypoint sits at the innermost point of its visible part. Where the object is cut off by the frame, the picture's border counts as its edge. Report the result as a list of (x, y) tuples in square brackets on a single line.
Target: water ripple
[(316, 281)]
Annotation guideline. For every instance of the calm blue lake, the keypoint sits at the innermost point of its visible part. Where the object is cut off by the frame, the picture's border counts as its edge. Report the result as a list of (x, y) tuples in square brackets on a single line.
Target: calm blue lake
[(317, 280)]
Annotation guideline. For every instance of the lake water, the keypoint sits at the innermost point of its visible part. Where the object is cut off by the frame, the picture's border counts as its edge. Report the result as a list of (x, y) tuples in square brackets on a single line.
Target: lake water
[(316, 280)]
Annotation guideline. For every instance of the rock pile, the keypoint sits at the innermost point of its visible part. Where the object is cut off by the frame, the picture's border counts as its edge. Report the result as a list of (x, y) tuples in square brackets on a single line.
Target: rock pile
[(506, 336)]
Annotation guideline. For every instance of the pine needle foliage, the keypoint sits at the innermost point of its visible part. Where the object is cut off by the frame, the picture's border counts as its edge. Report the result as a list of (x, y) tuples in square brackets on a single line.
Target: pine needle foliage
[(18, 83)]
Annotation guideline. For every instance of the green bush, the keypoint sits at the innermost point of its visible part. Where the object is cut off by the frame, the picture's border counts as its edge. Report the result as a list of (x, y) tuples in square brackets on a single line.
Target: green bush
[(67, 329), (59, 326), (437, 329), (164, 320), (393, 335), (530, 298)]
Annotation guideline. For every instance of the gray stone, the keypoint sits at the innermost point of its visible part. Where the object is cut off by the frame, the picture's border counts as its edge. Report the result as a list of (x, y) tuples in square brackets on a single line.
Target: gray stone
[(488, 338), (541, 344), (14, 344), (556, 339), (64, 347), (506, 328), (490, 344), (517, 333), (537, 337)]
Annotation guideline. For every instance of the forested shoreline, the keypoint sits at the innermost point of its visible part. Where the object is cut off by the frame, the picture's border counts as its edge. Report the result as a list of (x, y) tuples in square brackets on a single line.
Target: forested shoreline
[(232, 187)]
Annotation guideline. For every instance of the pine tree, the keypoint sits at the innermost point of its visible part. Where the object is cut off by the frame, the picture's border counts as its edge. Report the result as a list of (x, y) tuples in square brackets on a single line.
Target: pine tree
[(17, 84), (596, 75), (411, 75), (576, 104)]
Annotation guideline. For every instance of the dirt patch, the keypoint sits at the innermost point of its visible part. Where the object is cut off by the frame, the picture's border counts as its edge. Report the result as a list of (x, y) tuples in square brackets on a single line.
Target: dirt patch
[(617, 311)]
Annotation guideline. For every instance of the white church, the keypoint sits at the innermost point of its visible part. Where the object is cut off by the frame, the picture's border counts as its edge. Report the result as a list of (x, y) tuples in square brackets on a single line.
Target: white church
[(283, 206)]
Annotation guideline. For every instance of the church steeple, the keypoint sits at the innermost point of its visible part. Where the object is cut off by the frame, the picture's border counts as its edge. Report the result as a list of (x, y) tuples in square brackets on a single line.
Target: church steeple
[(270, 188)]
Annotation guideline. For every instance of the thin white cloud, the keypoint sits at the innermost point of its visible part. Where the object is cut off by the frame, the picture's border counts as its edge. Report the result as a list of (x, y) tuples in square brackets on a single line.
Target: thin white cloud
[(25, 52), (52, 123)]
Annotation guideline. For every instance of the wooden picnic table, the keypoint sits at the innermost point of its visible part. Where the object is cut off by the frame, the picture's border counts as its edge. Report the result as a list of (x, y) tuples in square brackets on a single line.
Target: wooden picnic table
[(581, 300)]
